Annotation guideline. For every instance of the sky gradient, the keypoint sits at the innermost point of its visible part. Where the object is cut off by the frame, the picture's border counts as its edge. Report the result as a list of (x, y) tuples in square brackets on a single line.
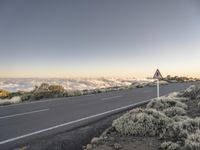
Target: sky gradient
[(99, 38)]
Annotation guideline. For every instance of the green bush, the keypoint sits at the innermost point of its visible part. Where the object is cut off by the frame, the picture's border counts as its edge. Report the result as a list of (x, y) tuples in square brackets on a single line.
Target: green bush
[(193, 141), (18, 93), (170, 146), (142, 122), (26, 97), (164, 103), (174, 111)]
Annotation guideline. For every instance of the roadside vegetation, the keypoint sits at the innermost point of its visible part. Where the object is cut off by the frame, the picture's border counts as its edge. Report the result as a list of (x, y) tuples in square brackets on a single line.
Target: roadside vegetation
[(46, 90), (4, 93), (175, 79), (169, 123)]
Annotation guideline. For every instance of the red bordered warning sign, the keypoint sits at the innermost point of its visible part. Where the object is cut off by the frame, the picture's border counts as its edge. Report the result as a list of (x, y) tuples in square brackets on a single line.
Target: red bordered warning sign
[(157, 75)]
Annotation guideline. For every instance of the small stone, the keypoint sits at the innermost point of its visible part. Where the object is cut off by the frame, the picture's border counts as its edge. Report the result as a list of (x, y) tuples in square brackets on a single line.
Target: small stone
[(23, 148), (84, 147), (96, 140), (89, 146), (105, 137), (117, 146)]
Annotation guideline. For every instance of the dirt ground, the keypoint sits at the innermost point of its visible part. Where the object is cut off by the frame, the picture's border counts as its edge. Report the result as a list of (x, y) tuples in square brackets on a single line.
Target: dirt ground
[(112, 140)]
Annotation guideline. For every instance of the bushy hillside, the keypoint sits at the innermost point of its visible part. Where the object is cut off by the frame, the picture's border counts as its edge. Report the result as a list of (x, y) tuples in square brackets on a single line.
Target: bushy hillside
[(167, 119)]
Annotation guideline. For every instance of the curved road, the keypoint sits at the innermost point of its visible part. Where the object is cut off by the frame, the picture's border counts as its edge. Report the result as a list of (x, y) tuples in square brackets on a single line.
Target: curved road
[(23, 122)]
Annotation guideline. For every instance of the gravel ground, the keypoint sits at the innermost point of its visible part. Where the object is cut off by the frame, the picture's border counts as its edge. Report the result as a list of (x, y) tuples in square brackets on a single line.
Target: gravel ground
[(112, 140)]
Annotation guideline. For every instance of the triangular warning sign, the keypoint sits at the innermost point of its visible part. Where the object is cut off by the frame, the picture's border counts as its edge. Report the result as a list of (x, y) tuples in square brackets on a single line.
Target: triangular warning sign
[(157, 75)]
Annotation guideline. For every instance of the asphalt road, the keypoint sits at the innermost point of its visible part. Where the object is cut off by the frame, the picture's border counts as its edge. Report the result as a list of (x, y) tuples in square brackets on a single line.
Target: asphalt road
[(23, 122)]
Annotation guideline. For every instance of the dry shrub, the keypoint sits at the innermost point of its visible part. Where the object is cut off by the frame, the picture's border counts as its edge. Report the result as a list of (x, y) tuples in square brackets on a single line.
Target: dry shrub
[(142, 122), (45, 91), (174, 111), (13, 100), (193, 141), (192, 92), (164, 103), (177, 96), (180, 118), (179, 131)]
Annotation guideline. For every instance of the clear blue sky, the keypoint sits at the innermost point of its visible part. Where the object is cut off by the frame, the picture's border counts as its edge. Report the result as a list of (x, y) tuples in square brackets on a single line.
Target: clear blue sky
[(91, 38)]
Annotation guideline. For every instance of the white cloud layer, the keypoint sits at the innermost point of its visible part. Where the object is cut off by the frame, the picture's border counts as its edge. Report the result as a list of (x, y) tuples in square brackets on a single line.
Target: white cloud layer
[(11, 84)]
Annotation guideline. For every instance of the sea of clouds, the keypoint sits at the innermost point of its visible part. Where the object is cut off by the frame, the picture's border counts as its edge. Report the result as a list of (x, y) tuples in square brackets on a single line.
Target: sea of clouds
[(28, 84)]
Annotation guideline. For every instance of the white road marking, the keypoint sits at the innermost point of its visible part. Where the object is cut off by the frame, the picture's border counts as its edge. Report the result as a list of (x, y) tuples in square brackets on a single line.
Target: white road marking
[(22, 114), (113, 97), (71, 122)]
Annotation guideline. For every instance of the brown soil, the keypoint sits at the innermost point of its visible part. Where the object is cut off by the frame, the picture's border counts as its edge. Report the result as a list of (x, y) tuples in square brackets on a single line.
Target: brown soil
[(112, 140)]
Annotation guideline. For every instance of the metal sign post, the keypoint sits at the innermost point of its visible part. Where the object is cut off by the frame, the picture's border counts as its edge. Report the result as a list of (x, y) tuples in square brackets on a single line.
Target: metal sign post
[(158, 76), (158, 89)]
